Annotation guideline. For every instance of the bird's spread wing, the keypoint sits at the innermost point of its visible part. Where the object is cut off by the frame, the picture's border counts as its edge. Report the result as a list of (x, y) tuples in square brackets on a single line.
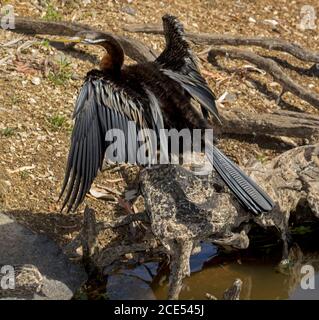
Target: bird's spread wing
[(101, 106), (197, 88), (179, 63)]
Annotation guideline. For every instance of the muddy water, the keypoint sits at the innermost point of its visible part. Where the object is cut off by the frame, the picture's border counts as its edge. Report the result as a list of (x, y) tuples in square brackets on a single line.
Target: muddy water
[(213, 272), (261, 280)]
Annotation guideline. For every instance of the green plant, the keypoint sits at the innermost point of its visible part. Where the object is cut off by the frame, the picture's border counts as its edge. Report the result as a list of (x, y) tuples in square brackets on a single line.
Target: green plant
[(52, 14), (45, 43), (261, 158), (69, 129), (63, 73), (15, 99), (24, 174), (8, 132), (57, 121), (301, 230)]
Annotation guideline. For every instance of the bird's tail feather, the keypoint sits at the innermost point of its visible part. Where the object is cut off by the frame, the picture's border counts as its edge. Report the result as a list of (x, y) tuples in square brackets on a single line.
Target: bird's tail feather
[(249, 194)]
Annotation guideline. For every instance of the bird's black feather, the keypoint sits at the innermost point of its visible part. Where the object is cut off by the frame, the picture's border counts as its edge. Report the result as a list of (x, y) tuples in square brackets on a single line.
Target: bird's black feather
[(101, 106), (245, 189), (198, 90), (153, 95)]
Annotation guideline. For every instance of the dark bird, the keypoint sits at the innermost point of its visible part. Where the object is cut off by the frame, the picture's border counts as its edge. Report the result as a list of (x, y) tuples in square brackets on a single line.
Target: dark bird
[(154, 95)]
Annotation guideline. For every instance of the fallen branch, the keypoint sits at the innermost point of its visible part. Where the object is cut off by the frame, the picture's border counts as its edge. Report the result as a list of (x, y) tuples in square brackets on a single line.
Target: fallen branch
[(182, 213), (278, 123), (133, 48), (216, 39), (270, 67), (141, 53)]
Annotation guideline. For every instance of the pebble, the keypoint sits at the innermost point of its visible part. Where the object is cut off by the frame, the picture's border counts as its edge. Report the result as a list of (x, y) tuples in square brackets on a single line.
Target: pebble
[(32, 101), (271, 22), (36, 81), (23, 135), (130, 19), (252, 20), (129, 256), (41, 138), (129, 10), (8, 183)]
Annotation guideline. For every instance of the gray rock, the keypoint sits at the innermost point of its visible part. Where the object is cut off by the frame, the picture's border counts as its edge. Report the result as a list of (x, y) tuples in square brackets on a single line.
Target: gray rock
[(20, 246)]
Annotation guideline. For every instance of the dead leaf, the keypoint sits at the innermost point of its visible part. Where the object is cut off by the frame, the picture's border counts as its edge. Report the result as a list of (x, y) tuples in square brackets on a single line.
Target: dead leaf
[(101, 194), (24, 68)]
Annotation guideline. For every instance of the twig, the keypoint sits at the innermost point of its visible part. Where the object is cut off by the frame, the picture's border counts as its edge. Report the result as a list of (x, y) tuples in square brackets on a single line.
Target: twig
[(270, 67), (117, 193), (88, 238), (124, 220), (216, 39)]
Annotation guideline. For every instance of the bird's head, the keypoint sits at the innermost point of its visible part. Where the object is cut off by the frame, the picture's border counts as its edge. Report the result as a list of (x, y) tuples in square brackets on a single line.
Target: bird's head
[(112, 60)]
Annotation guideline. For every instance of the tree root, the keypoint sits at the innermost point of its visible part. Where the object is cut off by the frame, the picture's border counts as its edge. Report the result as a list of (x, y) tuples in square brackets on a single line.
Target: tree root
[(133, 48), (279, 123), (270, 67), (229, 40)]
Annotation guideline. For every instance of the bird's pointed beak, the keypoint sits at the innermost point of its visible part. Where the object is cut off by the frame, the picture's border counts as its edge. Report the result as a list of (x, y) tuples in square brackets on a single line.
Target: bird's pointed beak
[(67, 40)]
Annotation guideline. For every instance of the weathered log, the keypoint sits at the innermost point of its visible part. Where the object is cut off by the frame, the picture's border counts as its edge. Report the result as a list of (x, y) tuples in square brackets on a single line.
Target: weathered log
[(232, 40), (266, 64), (270, 67), (278, 123), (184, 208), (285, 125), (132, 48), (88, 236)]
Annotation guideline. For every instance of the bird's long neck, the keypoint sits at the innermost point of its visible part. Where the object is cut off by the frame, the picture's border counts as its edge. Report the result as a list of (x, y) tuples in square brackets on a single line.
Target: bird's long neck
[(113, 59)]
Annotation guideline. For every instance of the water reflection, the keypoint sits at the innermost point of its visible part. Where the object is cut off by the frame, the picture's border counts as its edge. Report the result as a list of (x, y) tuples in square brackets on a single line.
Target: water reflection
[(213, 273)]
